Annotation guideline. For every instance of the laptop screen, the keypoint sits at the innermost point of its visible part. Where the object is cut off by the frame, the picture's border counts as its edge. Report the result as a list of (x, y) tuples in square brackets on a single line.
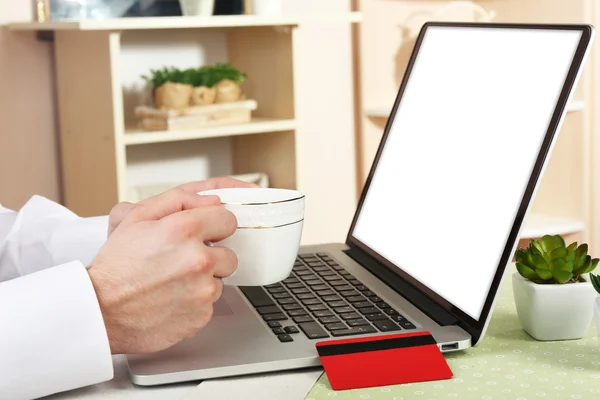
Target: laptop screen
[(459, 154)]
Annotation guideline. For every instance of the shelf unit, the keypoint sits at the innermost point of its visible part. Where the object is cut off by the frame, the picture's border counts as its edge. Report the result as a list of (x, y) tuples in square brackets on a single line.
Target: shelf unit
[(97, 145)]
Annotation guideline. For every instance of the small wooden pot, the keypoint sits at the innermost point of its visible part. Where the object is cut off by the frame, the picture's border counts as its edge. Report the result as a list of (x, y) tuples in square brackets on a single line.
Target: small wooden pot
[(227, 91), (172, 95), (203, 95)]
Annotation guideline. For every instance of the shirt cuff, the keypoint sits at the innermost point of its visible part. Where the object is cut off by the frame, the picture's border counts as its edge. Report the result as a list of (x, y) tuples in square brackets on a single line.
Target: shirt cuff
[(52, 334), (78, 239)]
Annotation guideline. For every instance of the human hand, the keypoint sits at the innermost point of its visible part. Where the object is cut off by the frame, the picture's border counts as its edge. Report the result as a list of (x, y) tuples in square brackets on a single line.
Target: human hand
[(121, 210), (155, 278)]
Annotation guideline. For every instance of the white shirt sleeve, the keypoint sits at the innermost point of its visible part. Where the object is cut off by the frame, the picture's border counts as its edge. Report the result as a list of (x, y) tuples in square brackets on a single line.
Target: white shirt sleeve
[(52, 334)]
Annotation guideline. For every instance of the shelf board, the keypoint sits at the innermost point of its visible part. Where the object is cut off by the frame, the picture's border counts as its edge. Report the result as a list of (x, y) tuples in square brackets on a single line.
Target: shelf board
[(384, 112), (257, 125), (537, 225), (151, 23)]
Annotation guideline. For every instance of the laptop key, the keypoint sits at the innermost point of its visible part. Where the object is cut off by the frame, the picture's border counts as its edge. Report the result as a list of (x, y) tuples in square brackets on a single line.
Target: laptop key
[(295, 286), (324, 312), (376, 317), (358, 299), (338, 304), (275, 317), (357, 330), (337, 267), (274, 324), (317, 285), (303, 318), (297, 313), (368, 293), (331, 262), (309, 277), (285, 338), (375, 299), (327, 273), (291, 329), (276, 290), (331, 278), (287, 300), (362, 288), (278, 331), (321, 268), (268, 310), (335, 327), (344, 288), (272, 285), (382, 305), (310, 302), (354, 282), (313, 330), (304, 272), (329, 320), (314, 282), (337, 283), (257, 296), (327, 292), (343, 310), (361, 304), (300, 291), (306, 296), (290, 307), (287, 281), (349, 293), (390, 311), (317, 307), (352, 315), (283, 295), (333, 297), (369, 310), (407, 325), (386, 326), (357, 322)]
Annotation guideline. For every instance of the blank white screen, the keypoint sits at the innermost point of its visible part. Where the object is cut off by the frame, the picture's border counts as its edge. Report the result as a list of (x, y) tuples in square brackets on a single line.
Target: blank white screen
[(460, 152)]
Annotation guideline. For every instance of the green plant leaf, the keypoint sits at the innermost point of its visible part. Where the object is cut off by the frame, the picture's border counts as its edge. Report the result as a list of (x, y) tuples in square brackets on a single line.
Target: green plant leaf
[(526, 272), (589, 267), (587, 261), (595, 279), (535, 247), (572, 246), (557, 265), (571, 256), (559, 252), (544, 274), (549, 242), (539, 262), (562, 276), (581, 255)]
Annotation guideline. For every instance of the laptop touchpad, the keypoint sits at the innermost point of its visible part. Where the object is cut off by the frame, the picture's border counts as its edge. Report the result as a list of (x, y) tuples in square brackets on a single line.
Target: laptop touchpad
[(221, 308)]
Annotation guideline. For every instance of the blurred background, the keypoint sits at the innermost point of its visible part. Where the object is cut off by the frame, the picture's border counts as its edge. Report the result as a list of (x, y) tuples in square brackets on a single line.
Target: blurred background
[(104, 101)]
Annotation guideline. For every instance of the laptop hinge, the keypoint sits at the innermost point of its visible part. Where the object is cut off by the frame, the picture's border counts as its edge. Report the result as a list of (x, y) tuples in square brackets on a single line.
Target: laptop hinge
[(403, 288)]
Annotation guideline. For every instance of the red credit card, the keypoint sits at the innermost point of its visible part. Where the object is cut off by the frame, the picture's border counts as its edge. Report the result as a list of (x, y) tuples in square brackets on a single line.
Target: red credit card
[(382, 360)]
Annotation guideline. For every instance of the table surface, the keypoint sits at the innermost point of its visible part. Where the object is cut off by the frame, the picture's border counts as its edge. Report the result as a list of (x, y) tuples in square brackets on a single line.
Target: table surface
[(507, 364)]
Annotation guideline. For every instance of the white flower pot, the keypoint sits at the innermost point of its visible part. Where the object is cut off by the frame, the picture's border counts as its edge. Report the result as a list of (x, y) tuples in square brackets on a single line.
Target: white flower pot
[(553, 311), (202, 8)]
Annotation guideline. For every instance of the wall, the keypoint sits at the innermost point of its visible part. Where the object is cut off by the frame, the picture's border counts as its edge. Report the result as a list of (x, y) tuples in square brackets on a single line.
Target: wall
[(28, 147)]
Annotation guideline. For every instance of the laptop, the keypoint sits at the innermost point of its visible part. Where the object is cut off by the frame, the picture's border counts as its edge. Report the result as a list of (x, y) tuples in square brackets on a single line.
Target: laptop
[(438, 220)]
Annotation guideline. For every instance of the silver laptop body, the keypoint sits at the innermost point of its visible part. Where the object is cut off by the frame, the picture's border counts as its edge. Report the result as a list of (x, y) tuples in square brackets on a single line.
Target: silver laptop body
[(352, 289)]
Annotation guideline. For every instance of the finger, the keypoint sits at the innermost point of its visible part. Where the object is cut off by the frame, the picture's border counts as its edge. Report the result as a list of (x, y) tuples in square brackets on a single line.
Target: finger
[(219, 289), (215, 183), (118, 214), (226, 261), (168, 203), (210, 223)]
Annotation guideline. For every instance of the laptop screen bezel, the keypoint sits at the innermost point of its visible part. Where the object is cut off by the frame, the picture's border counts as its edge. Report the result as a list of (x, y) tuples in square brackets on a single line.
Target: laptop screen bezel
[(352, 242)]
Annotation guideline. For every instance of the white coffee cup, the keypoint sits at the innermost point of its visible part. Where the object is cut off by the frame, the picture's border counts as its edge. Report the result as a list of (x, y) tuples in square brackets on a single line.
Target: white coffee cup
[(267, 239)]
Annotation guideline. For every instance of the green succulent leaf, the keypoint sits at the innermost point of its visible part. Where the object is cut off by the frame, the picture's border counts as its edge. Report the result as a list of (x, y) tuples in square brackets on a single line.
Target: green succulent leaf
[(572, 246), (562, 276), (544, 274), (595, 279), (557, 265), (526, 272), (571, 256), (582, 256), (592, 266), (551, 242), (587, 261), (535, 248), (539, 262), (559, 252)]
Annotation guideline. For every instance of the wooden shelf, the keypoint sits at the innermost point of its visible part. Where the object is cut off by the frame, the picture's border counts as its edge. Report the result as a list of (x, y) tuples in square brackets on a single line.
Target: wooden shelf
[(384, 112), (257, 125), (152, 23), (537, 225)]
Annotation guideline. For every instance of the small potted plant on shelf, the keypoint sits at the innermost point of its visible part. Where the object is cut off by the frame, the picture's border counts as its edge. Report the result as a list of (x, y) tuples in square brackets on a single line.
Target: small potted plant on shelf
[(553, 299), (223, 79), (171, 87)]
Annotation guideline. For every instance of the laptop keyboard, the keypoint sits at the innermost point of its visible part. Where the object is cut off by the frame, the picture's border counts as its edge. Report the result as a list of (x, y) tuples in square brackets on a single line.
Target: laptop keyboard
[(321, 299)]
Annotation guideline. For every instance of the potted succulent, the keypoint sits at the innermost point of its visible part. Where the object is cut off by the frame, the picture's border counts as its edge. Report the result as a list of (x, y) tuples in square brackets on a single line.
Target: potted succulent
[(224, 79), (553, 299), (171, 87)]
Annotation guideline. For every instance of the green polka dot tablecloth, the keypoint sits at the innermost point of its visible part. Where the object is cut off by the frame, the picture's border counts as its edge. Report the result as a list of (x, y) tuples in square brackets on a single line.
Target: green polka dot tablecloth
[(507, 364)]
